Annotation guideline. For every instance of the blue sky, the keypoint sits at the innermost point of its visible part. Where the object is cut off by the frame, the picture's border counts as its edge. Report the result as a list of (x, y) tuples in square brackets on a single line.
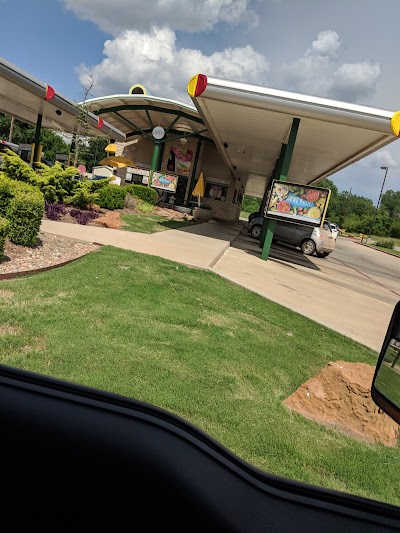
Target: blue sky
[(346, 49)]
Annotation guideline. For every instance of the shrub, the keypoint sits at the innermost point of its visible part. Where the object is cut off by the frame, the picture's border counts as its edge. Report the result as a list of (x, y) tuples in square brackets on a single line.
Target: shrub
[(83, 217), (5, 193), (147, 194), (25, 213), (54, 211), (144, 207), (96, 185), (112, 197), (4, 228), (385, 243), (82, 196), (17, 169)]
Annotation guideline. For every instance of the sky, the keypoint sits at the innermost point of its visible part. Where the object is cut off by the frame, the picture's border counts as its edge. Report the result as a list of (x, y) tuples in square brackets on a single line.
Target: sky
[(342, 49)]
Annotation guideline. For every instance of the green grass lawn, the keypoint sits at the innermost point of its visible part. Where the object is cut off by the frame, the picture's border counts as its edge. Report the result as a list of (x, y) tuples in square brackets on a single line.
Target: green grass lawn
[(152, 223), (244, 214), (394, 252), (191, 342)]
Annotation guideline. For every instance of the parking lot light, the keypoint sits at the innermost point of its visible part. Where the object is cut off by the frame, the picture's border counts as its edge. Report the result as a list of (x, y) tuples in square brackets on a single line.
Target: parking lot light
[(379, 201)]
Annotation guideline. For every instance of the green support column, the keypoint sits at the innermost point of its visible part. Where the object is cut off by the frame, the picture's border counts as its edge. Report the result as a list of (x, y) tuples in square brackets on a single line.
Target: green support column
[(37, 140), (71, 149), (154, 160), (275, 175), (283, 177)]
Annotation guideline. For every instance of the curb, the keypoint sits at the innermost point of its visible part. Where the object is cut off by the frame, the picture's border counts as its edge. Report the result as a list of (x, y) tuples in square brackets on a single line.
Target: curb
[(12, 275), (377, 249)]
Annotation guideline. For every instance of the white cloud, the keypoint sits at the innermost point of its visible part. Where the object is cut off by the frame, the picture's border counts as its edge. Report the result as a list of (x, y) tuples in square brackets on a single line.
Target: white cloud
[(383, 158), (355, 81), (326, 44), (153, 59), (185, 15), (318, 72)]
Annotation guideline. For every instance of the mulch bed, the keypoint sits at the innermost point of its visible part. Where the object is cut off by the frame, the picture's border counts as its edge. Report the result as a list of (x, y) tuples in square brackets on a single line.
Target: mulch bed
[(54, 250)]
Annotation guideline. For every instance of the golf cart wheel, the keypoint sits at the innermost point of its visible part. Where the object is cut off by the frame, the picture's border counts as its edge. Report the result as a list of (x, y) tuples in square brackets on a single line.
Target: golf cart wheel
[(256, 231), (308, 247), (322, 254)]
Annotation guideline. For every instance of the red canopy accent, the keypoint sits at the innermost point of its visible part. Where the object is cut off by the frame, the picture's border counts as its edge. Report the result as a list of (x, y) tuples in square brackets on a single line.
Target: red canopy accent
[(50, 93)]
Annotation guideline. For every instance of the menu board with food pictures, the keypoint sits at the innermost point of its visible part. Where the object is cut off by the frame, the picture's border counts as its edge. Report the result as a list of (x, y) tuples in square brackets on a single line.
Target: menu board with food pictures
[(298, 203)]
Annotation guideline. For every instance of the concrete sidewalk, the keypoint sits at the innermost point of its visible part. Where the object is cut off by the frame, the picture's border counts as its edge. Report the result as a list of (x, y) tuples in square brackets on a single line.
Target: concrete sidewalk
[(198, 246), (207, 245)]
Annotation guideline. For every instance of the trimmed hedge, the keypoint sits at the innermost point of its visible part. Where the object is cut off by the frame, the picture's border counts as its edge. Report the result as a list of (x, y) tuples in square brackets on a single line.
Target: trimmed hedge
[(25, 212), (4, 228), (147, 194), (112, 197), (23, 206)]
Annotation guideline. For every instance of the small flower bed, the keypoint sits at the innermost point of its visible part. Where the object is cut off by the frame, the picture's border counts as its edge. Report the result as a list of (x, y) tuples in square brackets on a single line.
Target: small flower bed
[(57, 211)]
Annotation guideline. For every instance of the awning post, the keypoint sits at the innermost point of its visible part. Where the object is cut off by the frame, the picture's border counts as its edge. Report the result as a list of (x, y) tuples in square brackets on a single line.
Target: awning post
[(36, 151), (275, 175), (154, 161), (284, 171)]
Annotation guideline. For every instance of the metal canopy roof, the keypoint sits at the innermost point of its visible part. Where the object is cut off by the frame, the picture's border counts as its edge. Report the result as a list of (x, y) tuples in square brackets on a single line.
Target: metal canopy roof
[(23, 97), (250, 123), (138, 114)]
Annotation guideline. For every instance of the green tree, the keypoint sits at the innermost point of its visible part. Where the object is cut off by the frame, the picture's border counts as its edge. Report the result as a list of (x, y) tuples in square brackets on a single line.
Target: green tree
[(93, 152), (333, 206), (25, 133), (390, 203)]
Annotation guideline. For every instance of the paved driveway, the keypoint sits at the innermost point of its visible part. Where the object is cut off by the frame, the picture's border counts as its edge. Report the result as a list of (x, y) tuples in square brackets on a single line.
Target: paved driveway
[(334, 291)]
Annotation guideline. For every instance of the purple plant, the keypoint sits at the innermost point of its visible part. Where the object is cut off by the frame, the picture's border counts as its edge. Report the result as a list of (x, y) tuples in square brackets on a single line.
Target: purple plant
[(83, 217), (54, 211)]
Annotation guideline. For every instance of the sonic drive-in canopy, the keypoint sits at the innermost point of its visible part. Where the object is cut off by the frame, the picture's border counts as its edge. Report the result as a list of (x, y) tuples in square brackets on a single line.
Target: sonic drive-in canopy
[(250, 124), (30, 100)]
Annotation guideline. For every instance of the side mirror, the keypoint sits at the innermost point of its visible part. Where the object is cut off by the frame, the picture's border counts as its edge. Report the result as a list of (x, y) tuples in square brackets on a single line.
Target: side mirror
[(385, 390)]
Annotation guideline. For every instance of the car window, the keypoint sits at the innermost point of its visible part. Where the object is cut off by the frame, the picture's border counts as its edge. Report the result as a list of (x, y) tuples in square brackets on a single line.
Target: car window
[(113, 288)]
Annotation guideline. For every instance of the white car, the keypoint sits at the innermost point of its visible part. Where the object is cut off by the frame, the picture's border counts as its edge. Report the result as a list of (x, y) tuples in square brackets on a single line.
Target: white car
[(334, 229)]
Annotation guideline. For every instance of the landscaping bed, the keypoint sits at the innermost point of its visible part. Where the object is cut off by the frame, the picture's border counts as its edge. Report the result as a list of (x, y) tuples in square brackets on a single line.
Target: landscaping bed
[(49, 251)]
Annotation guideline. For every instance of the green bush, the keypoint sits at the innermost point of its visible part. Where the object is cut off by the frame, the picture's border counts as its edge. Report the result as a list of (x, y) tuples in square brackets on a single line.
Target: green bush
[(147, 194), (57, 184), (96, 185), (385, 243), (144, 207), (4, 228), (82, 196), (251, 204), (25, 212), (112, 197), (17, 169), (5, 193)]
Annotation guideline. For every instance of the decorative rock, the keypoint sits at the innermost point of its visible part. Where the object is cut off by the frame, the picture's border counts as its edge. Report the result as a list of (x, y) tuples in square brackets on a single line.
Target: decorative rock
[(111, 219), (339, 396), (130, 202)]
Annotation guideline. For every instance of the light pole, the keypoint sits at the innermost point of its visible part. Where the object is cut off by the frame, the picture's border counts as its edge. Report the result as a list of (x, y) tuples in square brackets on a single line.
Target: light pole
[(379, 199)]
